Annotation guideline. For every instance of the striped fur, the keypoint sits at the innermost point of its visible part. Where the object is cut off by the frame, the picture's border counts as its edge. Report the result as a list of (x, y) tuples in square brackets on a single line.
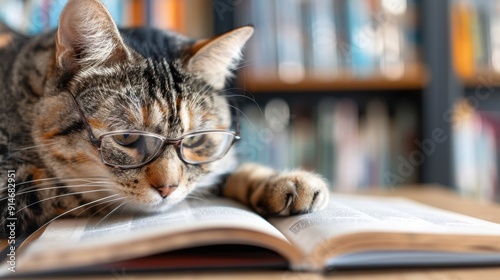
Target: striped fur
[(139, 79)]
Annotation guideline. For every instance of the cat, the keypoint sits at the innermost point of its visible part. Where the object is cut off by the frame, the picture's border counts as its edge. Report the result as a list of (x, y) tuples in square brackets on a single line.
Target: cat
[(95, 118)]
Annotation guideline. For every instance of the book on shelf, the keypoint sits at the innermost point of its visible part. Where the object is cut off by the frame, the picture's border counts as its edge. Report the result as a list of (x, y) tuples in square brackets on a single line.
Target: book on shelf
[(475, 148), (404, 135), (376, 143), (290, 40), (355, 145), (362, 40), (261, 47), (321, 39), (325, 40), (189, 17), (352, 232), (475, 27), (325, 127), (346, 139)]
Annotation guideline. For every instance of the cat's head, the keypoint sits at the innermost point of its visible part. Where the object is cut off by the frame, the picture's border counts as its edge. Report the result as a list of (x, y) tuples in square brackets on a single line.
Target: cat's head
[(141, 80)]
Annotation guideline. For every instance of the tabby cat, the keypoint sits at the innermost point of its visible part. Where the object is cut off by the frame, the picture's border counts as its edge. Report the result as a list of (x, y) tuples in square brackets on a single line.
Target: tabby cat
[(94, 119)]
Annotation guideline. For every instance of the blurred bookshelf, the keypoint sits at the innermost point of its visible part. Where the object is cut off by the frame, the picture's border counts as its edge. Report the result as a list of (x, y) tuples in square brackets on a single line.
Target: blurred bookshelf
[(188, 17), (425, 56), (332, 42), (358, 90), (339, 84), (476, 116)]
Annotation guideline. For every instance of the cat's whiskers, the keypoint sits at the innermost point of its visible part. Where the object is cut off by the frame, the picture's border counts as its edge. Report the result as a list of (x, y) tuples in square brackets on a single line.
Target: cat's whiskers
[(111, 212), (13, 152), (50, 182), (204, 90), (189, 196), (33, 147), (247, 94), (108, 203), (66, 183), (244, 115), (37, 188), (245, 63), (68, 211), (200, 94), (207, 86), (251, 97), (61, 195), (85, 179)]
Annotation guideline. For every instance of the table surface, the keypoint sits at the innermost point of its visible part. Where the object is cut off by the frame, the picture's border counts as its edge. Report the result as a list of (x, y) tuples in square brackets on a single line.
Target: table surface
[(436, 196)]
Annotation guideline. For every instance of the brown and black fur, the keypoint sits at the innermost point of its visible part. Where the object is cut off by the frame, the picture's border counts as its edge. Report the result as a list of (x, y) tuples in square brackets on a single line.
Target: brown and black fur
[(140, 79)]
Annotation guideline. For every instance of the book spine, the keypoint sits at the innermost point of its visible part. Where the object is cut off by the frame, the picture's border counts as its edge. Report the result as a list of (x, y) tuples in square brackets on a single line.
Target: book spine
[(376, 138), (404, 143), (277, 131), (412, 36), (168, 14), (136, 12), (494, 22), (322, 39), (390, 19), (361, 38), (463, 56), (348, 168), (289, 45), (324, 135), (265, 42)]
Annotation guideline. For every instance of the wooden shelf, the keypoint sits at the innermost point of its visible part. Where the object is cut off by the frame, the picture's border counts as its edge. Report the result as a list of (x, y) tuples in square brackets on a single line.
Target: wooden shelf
[(414, 78), (482, 78)]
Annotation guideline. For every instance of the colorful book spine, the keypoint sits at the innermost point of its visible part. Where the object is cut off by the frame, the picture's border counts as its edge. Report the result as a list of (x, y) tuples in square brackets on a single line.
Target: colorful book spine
[(168, 14), (475, 27), (361, 38)]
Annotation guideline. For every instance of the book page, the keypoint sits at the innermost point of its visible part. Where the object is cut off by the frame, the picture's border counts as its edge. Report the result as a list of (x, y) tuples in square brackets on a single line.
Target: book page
[(348, 214), (81, 241)]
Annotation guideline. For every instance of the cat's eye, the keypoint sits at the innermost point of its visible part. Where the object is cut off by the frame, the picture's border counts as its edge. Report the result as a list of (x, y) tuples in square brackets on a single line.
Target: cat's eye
[(204, 147), (193, 141), (126, 139)]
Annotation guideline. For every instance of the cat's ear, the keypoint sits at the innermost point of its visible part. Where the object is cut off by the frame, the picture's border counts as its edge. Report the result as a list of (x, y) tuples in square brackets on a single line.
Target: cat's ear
[(87, 36), (214, 59)]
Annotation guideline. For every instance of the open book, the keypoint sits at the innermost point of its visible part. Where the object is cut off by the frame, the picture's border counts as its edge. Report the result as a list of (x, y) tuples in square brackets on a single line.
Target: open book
[(354, 231)]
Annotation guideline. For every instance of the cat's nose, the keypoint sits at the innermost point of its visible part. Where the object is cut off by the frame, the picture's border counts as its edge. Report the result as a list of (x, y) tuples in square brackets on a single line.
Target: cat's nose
[(165, 191)]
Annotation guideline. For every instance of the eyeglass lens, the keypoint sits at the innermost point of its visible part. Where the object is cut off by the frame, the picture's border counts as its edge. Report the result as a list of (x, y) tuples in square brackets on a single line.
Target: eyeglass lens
[(204, 147), (133, 148)]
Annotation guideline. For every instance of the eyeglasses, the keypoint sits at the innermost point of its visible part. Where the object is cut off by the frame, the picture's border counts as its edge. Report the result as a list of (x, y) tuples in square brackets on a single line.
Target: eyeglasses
[(129, 149)]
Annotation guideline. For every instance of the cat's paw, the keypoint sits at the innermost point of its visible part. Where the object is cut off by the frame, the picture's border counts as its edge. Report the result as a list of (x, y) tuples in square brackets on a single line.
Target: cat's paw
[(291, 193)]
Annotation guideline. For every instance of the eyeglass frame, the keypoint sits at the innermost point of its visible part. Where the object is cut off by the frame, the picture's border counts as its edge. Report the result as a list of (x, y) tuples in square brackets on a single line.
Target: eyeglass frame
[(176, 142)]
